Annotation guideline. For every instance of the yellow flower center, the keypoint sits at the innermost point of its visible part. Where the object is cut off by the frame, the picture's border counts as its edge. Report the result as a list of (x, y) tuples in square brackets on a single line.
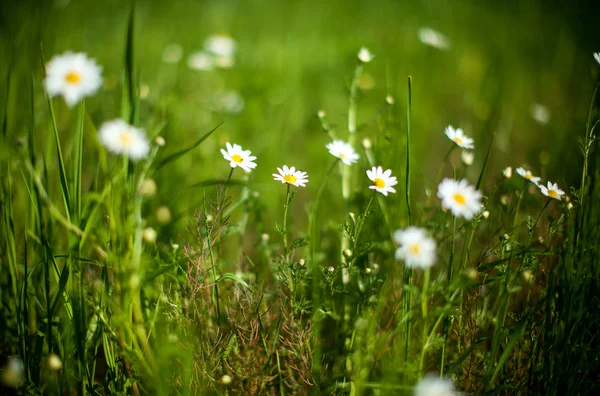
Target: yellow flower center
[(553, 194), (528, 175), (73, 78), (342, 156), (379, 183), (458, 140), (236, 158), (125, 138), (459, 198), (290, 178), (415, 249)]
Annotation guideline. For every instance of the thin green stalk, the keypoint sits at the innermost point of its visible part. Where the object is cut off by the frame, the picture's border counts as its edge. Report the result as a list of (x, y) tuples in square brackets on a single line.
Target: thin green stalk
[(408, 108), (285, 215), (424, 301)]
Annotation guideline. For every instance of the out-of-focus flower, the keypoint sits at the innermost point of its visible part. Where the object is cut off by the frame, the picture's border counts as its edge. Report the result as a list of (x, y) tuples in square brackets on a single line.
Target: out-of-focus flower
[(433, 38), (220, 45), (528, 175), (229, 101), (291, 176), (74, 76), (201, 60), (147, 188), (383, 182), (12, 373), (507, 172), (343, 151), (121, 138), (172, 53), (540, 113), (149, 235), (467, 157), (416, 249), (364, 55), (431, 385), (239, 157), (460, 197), (163, 214), (597, 56)]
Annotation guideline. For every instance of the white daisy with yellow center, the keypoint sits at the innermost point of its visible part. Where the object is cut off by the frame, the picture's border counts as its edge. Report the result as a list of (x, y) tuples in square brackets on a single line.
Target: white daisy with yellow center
[(383, 182), (462, 199), (343, 151), (527, 175), (121, 138), (458, 137), (433, 385), (291, 176), (415, 248), (552, 191), (74, 76), (239, 157)]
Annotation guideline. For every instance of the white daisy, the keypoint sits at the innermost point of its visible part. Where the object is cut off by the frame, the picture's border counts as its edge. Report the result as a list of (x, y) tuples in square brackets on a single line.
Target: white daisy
[(238, 157), (528, 175), (597, 56), (74, 76), (467, 157), (552, 191), (434, 385), (383, 182), (291, 176), (433, 38), (220, 45), (415, 247), (458, 137), (121, 138), (460, 197), (364, 55), (343, 151)]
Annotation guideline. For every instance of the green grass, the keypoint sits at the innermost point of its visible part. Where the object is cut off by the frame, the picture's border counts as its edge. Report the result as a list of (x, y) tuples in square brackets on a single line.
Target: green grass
[(254, 288)]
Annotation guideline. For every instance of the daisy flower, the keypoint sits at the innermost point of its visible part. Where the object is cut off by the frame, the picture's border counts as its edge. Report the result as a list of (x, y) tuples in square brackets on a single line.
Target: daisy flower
[(220, 45), (121, 138), (383, 182), (528, 175), (458, 137), (460, 197), (238, 157), (415, 247), (291, 176), (434, 385), (433, 38), (343, 151), (364, 55), (74, 76), (552, 191)]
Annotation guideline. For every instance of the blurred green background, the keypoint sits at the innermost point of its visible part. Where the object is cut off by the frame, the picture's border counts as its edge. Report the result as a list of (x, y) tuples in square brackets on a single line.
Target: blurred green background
[(522, 69)]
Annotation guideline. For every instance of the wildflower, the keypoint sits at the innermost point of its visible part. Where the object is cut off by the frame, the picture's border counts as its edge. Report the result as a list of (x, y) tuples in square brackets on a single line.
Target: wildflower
[(172, 53), (540, 113), (416, 249), (343, 151), (54, 362), (528, 175), (458, 137), (389, 100), (434, 385), (149, 235), (147, 188), (121, 138), (201, 60), (552, 191), (160, 141), (364, 55), (220, 45), (291, 176), (383, 182), (229, 101), (460, 197), (507, 172), (597, 56), (321, 114), (570, 206), (163, 214), (467, 157), (239, 157), (226, 380), (74, 76), (486, 214), (433, 38), (330, 269), (367, 144)]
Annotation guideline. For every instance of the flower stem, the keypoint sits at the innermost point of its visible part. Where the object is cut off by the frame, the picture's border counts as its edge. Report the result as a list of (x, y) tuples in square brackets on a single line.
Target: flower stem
[(285, 215), (424, 315)]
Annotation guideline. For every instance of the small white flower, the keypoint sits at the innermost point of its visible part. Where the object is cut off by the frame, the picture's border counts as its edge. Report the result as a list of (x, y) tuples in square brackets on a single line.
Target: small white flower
[(201, 61), (460, 197), (74, 76), (383, 182), (365, 56), (528, 175), (433, 38), (507, 172), (431, 385), (121, 138), (239, 157), (597, 56), (172, 53), (458, 137), (220, 45), (343, 151), (291, 176), (149, 235), (540, 113), (552, 191), (415, 247), (467, 157)]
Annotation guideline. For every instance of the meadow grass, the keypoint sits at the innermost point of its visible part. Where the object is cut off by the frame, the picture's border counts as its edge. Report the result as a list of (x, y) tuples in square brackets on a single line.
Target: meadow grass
[(175, 273)]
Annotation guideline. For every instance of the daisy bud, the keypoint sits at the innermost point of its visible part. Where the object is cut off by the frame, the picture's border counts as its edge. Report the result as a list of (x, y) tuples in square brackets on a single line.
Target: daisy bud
[(226, 380), (507, 172), (54, 362), (504, 200), (527, 275), (320, 114), (175, 246), (467, 157), (389, 99), (330, 269), (347, 253), (265, 237), (485, 214), (506, 237), (352, 216), (209, 218), (301, 262), (472, 273), (570, 206), (365, 56), (366, 143), (163, 215), (144, 91), (147, 188), (160, 141), (149, 235), (172, 53), (375, 267), (368, 271)]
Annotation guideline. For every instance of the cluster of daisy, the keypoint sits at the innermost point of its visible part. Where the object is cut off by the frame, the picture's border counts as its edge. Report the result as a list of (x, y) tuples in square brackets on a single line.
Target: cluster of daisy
[(551, 190)]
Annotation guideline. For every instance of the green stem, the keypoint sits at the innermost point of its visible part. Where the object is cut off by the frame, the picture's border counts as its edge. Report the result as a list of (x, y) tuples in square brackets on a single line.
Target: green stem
[(424, 301), (408, 150), (285, 216)]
